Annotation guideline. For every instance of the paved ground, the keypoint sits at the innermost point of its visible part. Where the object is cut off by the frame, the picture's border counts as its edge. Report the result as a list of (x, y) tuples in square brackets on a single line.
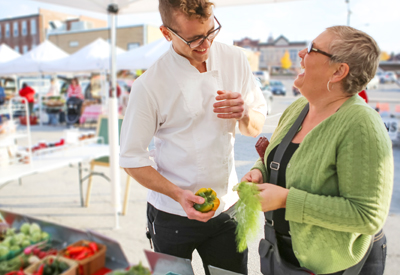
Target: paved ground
[(54, 196)]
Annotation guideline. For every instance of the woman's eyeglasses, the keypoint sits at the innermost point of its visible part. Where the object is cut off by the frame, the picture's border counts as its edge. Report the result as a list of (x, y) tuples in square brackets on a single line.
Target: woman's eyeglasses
[(311, 48)]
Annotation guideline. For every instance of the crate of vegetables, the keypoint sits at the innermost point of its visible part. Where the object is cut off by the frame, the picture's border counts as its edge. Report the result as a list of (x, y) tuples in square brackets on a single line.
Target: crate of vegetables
[(90, 256), (52, 265)]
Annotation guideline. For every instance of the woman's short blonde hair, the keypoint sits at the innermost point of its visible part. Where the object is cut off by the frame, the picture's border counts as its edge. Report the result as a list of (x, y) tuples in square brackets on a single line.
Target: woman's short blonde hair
[(193, 9), (360, 51)]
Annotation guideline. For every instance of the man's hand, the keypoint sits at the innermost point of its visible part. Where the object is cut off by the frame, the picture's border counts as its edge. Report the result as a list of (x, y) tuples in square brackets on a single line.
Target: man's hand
[(272, 196), (230, 105), (254, 175), (187, 199)]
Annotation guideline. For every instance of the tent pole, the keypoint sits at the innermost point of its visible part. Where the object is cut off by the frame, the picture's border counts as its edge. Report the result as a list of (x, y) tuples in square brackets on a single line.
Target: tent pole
[(113, 132)]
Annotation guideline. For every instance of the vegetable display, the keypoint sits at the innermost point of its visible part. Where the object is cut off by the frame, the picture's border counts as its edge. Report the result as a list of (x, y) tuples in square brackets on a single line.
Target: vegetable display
[(19, 262), (248, 209), (134, 270), (80, 252), (51, 266), (211, 201), (14, 242)]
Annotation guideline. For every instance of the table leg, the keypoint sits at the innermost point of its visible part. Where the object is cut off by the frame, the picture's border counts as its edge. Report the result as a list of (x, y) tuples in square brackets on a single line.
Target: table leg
[(81, 183)]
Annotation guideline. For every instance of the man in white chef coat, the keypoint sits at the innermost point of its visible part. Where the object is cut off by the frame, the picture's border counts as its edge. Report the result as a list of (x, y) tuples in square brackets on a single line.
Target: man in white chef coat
[(190, 101)]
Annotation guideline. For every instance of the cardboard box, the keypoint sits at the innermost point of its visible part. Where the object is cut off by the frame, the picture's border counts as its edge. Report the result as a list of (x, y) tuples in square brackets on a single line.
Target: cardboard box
[(70, 271), (92, 264)]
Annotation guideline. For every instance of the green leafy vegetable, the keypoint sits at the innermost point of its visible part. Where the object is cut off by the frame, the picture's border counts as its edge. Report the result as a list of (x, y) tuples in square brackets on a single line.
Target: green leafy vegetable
[(248, 210)]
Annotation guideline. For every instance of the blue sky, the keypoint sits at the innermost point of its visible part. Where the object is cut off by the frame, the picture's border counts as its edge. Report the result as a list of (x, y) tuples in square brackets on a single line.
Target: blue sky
[(298, 20)]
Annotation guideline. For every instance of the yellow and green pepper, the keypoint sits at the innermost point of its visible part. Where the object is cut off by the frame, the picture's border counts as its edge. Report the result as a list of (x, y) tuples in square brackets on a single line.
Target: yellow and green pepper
[(211, 202)]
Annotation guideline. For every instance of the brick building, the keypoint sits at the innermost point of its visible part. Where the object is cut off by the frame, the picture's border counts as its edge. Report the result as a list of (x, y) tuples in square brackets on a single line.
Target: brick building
[(26, 32), (273, 50), (128, 37)]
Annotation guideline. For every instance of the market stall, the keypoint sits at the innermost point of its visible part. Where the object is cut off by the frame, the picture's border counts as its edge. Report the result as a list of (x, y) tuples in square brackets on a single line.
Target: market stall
[(54, 239)]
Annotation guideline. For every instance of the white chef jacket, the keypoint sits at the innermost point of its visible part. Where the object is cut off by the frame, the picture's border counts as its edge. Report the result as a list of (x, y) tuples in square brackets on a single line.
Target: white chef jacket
[(173, 102)]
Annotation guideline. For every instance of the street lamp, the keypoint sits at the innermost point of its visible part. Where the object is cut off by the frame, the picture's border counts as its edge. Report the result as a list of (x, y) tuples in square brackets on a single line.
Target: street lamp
[(348, 12)]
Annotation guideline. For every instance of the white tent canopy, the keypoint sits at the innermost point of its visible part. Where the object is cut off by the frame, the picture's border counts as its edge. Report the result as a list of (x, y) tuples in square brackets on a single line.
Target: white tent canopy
[(92, 57), (144, 56), (32, 61), (7, 54)]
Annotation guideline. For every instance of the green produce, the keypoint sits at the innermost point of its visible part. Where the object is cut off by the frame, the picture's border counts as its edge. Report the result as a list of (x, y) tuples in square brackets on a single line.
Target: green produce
[(25, 228), (3, 251), (134, 270), (248, 210), (25, 243), (34, 228), (21, 261), (10, 232), (15, 248), (54, 267), (36, 237), (45, 236)]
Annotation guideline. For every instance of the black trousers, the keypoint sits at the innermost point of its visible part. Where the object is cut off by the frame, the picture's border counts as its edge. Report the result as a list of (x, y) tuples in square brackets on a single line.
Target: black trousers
[(214, 240), (375, 264)]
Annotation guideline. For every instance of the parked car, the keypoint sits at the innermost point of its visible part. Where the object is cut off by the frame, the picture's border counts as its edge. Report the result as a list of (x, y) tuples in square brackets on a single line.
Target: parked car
[(374, 83), (388, 77), (267, 95), (277, 87), (263, 76), (296, 91)]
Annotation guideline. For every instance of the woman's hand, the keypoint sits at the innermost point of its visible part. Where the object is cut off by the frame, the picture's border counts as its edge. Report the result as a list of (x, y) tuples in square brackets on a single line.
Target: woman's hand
[(254, 175), (272, 196)]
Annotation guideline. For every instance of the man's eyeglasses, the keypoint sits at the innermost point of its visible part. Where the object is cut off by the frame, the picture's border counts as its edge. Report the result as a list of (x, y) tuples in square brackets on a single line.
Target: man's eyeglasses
[(198, 41), (311, 48)]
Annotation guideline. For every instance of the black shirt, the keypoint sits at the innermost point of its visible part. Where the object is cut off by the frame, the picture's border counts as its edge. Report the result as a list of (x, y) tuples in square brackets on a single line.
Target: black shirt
[(280, 224)]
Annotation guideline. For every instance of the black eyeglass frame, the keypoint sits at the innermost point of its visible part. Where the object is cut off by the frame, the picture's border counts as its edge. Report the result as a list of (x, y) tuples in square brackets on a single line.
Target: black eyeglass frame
[(203, 38), (311, 48)]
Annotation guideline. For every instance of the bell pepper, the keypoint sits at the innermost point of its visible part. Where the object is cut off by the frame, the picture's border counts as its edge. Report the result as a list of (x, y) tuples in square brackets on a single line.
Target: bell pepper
[(211, 202)]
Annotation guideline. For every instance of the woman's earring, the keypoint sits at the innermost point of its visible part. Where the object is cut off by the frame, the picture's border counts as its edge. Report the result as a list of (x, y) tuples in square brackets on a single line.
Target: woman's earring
[(327, 86)]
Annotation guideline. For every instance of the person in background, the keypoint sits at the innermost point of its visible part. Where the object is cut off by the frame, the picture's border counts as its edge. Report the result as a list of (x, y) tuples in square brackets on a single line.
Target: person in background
[(53, 91), (2, 94), (336, 176), (75, 90), (29, 94)]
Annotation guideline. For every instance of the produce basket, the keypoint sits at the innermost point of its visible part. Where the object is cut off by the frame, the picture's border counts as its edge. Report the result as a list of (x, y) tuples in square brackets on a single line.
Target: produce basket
[(70, 271), (90, 265), (32, 120)]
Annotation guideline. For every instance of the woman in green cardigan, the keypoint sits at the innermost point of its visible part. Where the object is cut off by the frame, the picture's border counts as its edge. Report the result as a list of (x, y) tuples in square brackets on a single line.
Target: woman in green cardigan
[(336, 176)]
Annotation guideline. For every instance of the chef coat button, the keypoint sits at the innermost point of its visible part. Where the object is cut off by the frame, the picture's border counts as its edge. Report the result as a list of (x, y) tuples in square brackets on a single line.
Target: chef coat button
[(288, 165), (297, 253)]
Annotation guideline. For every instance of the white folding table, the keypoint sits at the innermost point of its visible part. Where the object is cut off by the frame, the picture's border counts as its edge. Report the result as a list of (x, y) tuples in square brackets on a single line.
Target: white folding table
[(70, 155)]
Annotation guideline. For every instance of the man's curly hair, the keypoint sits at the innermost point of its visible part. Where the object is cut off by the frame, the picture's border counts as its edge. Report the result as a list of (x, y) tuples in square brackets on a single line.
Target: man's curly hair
[(193, 9)]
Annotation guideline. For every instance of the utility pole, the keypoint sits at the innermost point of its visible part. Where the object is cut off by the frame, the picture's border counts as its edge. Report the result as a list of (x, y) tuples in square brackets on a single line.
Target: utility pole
[(348, 12)]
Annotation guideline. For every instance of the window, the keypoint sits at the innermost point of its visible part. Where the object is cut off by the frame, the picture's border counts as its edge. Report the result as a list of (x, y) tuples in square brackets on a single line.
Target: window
[(15, 29), (16, 48), (24, 29), (24, 49), (33, 26), (73, 43), (0, 31), (293, 55), (7, 30), (133, 46), (33, 46)]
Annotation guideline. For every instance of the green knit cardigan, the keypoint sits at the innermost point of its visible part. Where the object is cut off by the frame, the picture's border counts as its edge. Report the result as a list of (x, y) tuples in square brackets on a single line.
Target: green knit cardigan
[(340, 180)]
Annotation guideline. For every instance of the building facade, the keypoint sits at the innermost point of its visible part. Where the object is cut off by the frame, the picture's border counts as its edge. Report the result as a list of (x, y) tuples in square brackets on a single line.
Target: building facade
[(273, 50), (26, 32), (128, 37)]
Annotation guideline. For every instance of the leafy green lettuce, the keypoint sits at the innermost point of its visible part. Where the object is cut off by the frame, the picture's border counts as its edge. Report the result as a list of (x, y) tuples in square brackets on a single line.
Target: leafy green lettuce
[(248, 210)]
